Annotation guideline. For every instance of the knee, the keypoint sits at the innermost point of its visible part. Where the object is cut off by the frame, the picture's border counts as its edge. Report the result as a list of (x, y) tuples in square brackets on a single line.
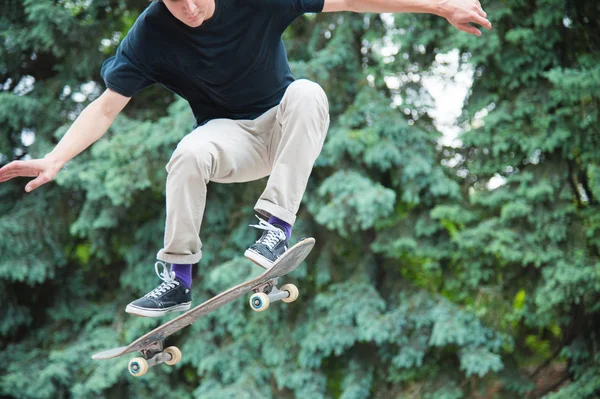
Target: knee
[(308, 98), (308, 92), (192, 157)]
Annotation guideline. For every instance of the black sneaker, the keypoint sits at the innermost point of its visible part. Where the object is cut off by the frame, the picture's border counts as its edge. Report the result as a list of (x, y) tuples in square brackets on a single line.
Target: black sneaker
[(170, 296), (270, 246)]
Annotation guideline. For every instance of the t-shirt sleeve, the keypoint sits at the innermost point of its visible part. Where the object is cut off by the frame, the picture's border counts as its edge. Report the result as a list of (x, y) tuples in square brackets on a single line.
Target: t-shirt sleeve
[(293, 6), (123, 73)]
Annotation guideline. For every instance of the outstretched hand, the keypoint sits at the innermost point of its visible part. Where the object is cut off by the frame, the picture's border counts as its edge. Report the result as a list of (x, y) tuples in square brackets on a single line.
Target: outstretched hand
[(44, 170), (462, 13)]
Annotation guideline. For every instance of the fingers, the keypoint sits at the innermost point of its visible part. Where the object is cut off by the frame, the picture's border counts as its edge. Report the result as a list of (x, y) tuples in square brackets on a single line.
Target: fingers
[(16, 169), (6, 173), (469, 29), (32, 168), (481, 21), (481, 16), (481, 12), (463, 14), (21, 168), (8, 176), (475, 16), (35, 183)]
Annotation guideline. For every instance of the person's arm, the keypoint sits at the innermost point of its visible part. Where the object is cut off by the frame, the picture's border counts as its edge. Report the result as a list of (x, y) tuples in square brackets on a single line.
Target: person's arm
[(460, 13), (91, 124)]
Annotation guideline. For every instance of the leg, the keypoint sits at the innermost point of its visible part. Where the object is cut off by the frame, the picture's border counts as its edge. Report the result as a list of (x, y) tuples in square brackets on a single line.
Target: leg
[(301, 123), (224, 151), (302, 120)]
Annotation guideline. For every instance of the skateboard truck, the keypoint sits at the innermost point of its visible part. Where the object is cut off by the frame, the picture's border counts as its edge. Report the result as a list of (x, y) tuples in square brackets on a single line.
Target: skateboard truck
[(268, 292), (154, 354)]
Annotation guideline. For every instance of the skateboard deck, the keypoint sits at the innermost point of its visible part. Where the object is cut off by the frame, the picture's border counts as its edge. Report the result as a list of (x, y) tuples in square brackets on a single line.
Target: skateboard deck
[(264, 287)]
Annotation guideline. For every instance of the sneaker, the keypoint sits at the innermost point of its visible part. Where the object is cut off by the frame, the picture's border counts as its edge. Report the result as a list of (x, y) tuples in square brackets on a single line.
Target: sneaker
[(270, 246), (170, 296)]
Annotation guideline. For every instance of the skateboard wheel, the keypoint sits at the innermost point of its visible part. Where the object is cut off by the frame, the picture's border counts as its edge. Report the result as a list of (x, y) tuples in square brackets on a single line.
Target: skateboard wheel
[(175, 355), (259, 302), (138, 366), (293, 290)]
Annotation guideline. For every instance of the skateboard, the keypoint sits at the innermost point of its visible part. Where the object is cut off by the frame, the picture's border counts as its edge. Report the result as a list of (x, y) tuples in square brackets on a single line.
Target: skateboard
[(265, 291)]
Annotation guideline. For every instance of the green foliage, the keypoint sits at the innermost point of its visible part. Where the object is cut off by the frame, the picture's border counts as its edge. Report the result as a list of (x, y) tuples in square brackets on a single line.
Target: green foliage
[(352, 202), (426, 281)]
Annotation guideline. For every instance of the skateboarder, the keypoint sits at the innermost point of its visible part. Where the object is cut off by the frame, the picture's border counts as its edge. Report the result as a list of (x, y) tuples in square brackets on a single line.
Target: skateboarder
[(227, 59)]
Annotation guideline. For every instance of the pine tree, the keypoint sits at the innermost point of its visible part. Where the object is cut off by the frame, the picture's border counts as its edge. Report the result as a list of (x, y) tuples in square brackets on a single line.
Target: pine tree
[(425, 282)]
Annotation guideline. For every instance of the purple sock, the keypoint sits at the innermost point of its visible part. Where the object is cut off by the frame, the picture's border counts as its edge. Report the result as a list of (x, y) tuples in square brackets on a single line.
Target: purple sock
[(286, 227), (183, 273)]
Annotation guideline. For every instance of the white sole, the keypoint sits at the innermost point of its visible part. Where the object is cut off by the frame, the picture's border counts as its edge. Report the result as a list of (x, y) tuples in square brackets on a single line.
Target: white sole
[(258, 259), (145, 312)]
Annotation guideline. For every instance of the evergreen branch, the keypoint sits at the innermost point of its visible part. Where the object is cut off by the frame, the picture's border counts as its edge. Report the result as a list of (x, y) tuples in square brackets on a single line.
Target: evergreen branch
[(546, 362), (554, 386)]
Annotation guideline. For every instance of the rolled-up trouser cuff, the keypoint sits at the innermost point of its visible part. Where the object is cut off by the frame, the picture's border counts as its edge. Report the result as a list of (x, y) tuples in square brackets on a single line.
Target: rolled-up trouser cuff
[(269, 209), (179, 259)]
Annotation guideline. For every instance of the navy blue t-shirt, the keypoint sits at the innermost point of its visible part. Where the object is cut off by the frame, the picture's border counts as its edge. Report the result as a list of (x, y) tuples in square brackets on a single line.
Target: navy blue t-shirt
[(232, 66)]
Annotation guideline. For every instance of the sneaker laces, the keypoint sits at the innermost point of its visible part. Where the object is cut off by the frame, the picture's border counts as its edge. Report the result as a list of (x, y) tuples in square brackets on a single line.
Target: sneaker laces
[(168, 278), (273, 236)]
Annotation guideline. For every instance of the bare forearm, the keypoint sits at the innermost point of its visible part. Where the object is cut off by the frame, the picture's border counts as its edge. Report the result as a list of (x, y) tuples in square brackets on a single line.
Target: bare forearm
[(91, 124), (462, 14), (397, 6)]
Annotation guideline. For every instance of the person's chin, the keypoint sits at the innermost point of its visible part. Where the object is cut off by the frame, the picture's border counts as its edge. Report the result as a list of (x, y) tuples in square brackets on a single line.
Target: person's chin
[(194, 23)]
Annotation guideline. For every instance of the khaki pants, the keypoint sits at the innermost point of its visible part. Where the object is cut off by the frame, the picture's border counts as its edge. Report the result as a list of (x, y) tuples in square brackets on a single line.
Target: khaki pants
[(284, 143)]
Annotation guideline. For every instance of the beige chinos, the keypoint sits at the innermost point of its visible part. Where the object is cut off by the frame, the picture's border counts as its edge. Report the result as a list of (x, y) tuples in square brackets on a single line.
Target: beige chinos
[(284, 143)]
